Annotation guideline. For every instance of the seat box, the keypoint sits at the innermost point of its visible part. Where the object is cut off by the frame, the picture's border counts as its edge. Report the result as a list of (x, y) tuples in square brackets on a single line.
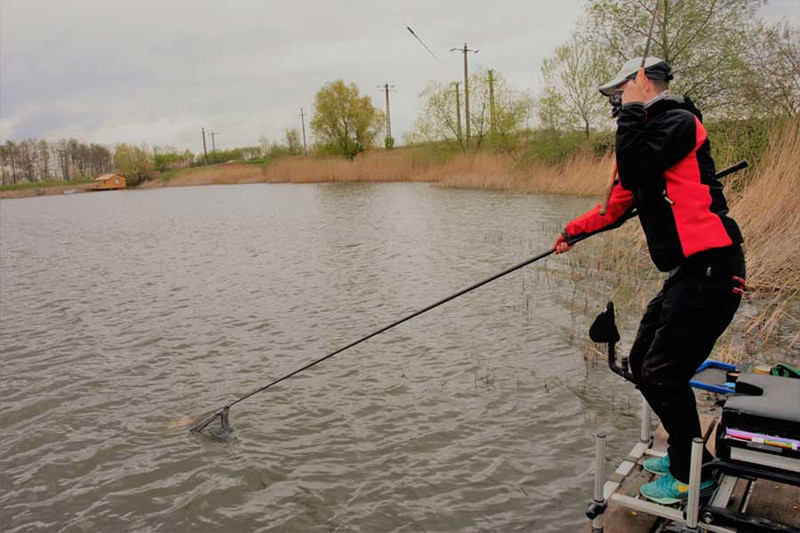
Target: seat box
[(762, 429)]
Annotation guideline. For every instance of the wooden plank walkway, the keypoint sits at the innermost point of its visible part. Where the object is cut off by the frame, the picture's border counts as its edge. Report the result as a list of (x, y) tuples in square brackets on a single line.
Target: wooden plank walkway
[(768, 499)]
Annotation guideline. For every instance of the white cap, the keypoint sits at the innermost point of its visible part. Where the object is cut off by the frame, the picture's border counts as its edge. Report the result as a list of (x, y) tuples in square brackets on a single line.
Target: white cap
[(631, 67)]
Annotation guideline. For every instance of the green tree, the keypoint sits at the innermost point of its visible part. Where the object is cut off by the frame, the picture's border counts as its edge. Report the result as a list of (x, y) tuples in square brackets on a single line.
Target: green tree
[(571, 77), (703, 40), (134, 162), (168, 157), (345, 122), (293, 142), (438, 121), (508, 109)]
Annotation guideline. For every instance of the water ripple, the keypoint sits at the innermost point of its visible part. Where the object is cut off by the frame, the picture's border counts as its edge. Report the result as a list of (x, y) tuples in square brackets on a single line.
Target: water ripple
[(476, 417)]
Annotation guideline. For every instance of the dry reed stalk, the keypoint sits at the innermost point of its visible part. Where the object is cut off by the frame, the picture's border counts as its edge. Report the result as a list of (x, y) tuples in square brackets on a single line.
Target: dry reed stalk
[(768, 212), (371, 166), (476, 171), (214, 175), (397, 165), (580, 174)]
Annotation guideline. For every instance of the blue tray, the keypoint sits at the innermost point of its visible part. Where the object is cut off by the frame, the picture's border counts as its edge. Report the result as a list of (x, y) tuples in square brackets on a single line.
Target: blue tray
[(713, 369)]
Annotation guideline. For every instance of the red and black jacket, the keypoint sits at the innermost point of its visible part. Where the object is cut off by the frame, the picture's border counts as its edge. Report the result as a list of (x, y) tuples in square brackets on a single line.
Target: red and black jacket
[(667, 174)]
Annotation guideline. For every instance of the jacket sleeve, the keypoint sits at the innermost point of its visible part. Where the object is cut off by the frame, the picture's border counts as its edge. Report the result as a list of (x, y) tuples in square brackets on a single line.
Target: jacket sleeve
[(620, 205), (645, 149)]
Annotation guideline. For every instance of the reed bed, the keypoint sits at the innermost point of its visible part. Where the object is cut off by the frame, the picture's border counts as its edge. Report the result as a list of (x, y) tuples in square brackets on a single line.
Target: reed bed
[(768, 210), (398, 165), (578, 175), (211, 175)]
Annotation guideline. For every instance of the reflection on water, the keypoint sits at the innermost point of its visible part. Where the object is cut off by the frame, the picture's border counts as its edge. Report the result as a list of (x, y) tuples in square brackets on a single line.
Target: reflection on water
[(123, 312)]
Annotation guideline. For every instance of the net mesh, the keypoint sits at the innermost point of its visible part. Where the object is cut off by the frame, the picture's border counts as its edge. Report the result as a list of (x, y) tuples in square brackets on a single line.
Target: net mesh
[(216, 427)]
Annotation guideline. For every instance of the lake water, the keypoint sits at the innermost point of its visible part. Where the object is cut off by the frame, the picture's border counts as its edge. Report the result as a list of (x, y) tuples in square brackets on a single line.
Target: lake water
[(121, 312)]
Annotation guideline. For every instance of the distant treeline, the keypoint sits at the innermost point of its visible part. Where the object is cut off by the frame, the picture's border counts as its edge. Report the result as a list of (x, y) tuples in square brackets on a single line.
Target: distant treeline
[(40, 160)]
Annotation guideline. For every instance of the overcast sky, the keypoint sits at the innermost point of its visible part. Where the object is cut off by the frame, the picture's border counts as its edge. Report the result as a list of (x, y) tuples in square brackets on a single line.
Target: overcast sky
[(111, 71)]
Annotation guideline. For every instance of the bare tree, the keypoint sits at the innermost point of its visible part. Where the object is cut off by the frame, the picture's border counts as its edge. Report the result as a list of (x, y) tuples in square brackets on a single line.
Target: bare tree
[(771, 81), (571, 78), (703, 40)]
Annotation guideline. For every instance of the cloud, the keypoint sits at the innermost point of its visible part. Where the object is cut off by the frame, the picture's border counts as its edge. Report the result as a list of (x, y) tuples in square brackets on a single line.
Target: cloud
[(157, 72)]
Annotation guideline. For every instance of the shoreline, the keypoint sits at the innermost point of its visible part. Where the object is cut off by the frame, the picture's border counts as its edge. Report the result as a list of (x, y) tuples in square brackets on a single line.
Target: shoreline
[(34, 192), (579, 175)]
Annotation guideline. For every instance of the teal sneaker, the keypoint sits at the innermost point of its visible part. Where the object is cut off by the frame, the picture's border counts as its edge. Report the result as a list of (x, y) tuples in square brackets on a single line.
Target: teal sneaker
[(667, 490), (657, 465)]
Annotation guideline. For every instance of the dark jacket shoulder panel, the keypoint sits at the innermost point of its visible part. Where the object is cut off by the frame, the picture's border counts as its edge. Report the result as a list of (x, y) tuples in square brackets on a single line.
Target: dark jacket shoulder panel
[(649, 141)]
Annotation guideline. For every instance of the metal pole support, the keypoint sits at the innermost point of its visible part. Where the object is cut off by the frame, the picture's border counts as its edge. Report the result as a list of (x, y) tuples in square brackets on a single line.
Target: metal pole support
[(598, 504), (693, 503), (645, 435)]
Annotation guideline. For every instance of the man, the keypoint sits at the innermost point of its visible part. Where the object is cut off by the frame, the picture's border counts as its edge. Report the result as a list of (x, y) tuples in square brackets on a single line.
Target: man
[(666, 172)]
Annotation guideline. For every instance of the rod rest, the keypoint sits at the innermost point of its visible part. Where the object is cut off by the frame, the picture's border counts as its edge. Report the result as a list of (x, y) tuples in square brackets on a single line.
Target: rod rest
[(604, 331)]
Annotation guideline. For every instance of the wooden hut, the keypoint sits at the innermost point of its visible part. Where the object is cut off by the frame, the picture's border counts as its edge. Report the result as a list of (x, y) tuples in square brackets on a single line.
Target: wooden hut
[(108, 182)]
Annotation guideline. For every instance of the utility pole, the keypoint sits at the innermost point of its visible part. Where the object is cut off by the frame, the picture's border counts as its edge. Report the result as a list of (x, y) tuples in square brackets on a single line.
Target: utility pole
[(303, 120), (458, 117), (213, 144), (386, 88), (465, 50), (205, 152), (491, 102)]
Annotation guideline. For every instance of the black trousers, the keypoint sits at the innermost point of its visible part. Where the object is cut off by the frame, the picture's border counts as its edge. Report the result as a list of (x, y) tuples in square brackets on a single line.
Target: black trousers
[(676, 334)]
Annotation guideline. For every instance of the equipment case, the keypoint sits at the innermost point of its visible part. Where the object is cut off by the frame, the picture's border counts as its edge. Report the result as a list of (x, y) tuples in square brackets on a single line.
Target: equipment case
[(762, 429)]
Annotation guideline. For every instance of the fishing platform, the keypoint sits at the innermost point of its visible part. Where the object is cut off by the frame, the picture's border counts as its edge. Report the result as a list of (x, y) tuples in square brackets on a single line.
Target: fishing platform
[(755, 435)]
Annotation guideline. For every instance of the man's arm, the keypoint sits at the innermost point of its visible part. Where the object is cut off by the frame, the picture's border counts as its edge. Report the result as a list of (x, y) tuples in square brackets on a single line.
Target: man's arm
[(619, 205), (646, 149)]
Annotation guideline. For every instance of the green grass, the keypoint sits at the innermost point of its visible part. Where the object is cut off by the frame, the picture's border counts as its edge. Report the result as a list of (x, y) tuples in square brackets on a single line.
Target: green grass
[(43, 184), (167, 175), (263, 161)]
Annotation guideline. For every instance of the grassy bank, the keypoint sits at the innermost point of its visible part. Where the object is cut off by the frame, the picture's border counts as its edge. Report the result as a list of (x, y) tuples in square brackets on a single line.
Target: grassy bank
[(23, 186), (42, 188)]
